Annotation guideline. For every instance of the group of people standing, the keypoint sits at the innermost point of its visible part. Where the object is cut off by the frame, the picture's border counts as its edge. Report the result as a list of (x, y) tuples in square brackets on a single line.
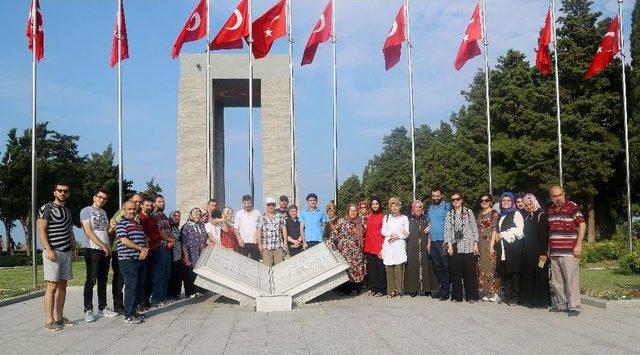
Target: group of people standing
[(443, 250)]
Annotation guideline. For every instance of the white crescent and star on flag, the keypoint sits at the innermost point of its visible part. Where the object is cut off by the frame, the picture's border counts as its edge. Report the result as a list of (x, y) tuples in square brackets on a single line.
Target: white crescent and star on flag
[(394, 29), (239, 20), (269, 32), (321, 24), (194, 22)]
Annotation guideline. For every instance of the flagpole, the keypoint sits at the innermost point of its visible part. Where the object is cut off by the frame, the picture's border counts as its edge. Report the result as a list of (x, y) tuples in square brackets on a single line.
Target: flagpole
[(120, 167), (334, 41), (208, 101), (557, 75), (251, 177), (34, 175), (626, 125), (292, 120), (411, 106), (486, 80)]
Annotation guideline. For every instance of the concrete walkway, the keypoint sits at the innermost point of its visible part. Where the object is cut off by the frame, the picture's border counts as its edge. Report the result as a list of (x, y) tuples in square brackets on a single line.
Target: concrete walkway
[(332, 325)]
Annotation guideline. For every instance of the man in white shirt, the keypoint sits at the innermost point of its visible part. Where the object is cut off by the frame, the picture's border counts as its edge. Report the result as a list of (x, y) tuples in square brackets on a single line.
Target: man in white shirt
[(244, 227)]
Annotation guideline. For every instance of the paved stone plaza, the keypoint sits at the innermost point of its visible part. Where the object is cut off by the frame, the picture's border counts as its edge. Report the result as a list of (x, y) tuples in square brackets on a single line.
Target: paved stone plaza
[(330, 325)]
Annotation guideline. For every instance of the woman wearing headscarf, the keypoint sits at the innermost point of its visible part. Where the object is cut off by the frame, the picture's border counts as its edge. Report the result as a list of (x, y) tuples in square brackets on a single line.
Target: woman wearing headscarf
[(177, 267), (345, 238), (507, 244), (488, 282), (194, 239), (534, 275), (419, 275), (373, 239)]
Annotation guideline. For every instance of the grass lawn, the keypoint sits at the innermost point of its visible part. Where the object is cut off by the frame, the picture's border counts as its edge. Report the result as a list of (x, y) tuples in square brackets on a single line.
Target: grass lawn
[(18, 280), (602, 281)]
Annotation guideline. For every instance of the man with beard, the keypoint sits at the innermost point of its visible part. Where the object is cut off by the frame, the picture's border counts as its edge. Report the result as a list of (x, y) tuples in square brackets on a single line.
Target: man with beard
[(55, 230), (162, 256), (437, 214)]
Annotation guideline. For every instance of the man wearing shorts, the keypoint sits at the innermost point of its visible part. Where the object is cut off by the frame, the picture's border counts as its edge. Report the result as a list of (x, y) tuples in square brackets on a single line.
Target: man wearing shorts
[(55, 231)]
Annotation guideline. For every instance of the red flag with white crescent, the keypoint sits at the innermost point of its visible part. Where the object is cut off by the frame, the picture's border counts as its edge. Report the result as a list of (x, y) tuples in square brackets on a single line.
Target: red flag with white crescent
[(469, 47), (39, 35), (234, 30), (543, 57), (119, 35), (392, 49), (194, 29), (320, 34), (269, 27), (609, 47)]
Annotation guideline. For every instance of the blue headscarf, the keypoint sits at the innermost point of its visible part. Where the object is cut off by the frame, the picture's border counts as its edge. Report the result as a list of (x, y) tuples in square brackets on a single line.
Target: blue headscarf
[(505, 211)]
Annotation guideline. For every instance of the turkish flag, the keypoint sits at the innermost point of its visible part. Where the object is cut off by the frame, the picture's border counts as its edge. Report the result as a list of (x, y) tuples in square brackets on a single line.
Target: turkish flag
[(269, 27), (392, 49), (119, 35), (320, 34), (39, 35), (543, 57), (194, 29), (609, 47), (469, 47), (234, 30)]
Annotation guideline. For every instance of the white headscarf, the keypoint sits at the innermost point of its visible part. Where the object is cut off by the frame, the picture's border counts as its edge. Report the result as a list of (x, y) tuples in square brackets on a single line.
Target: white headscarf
[(531, 198)]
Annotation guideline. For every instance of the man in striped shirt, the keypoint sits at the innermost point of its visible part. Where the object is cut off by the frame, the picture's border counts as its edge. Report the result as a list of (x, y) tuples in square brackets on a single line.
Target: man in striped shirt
[(566, 232), (132, 250), (55, 230)]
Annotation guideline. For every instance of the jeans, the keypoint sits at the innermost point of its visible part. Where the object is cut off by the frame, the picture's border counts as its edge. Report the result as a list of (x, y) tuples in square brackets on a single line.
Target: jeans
[(117, 284), (441, 266), (132, 271), (97, 270), (161, 271)]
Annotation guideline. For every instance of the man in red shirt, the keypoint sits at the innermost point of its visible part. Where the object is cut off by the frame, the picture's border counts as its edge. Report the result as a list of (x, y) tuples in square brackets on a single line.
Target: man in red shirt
[(566, 232)]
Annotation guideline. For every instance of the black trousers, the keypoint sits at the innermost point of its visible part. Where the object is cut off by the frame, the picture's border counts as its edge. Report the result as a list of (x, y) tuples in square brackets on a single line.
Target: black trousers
[(147, 282), (376, 273), (176, 279), (117, 284), (250, 250), (463, 271), (97, 270), (189, 278), (511, 286)]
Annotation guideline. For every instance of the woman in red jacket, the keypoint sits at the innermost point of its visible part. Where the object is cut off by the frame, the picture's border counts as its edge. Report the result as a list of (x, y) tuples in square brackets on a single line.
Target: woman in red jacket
[(373, 240)]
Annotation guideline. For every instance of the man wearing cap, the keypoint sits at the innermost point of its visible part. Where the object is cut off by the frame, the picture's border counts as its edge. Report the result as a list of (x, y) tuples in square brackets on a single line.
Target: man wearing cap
[(283, 209), (270, 234)]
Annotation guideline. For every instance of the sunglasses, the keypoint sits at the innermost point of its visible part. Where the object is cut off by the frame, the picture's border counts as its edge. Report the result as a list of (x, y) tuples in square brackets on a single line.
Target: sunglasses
[(62, 191), (456, 199), (485, 200)]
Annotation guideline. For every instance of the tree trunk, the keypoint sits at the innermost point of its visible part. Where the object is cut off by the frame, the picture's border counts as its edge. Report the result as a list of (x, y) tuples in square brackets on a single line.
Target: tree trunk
[(7, 229), (26, 226), (591, 222)]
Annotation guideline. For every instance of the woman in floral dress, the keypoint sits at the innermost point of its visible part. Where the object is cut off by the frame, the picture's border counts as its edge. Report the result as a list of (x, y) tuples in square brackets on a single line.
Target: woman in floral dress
[(345, 237), (488, 282)]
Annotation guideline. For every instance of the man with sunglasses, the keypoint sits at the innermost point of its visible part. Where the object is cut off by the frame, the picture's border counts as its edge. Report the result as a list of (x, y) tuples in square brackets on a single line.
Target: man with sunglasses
[(437, 214), (95, 225), (55, 230)]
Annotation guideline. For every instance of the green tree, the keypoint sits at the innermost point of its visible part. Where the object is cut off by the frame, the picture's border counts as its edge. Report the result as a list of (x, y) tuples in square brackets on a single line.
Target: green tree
[(58, 160), (349, 192), (634, 102), (153, 188), (99, 171)]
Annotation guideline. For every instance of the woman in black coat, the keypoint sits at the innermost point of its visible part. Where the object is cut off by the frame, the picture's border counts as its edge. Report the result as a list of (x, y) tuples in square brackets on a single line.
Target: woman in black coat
[(507, 244), (534, 273)]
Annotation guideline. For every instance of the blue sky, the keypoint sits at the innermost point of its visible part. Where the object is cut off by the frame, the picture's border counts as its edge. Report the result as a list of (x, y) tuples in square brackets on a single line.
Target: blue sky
[(77, 90)]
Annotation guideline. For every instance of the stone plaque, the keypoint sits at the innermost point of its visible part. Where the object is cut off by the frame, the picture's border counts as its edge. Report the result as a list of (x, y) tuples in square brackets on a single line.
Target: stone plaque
[(299, 279)]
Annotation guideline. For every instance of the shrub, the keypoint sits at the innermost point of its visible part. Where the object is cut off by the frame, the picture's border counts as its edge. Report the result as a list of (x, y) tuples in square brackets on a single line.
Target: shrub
[(18, 260), (601, 251), (630, 263)]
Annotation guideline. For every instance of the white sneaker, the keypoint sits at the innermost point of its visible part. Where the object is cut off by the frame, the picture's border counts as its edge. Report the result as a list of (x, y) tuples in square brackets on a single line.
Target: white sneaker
[(107, 313), (88, 317), (494, 298), (485, 299)]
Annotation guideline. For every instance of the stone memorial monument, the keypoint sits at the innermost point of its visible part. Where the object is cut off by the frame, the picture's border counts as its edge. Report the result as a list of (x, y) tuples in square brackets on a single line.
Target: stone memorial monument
[(298, 279)]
